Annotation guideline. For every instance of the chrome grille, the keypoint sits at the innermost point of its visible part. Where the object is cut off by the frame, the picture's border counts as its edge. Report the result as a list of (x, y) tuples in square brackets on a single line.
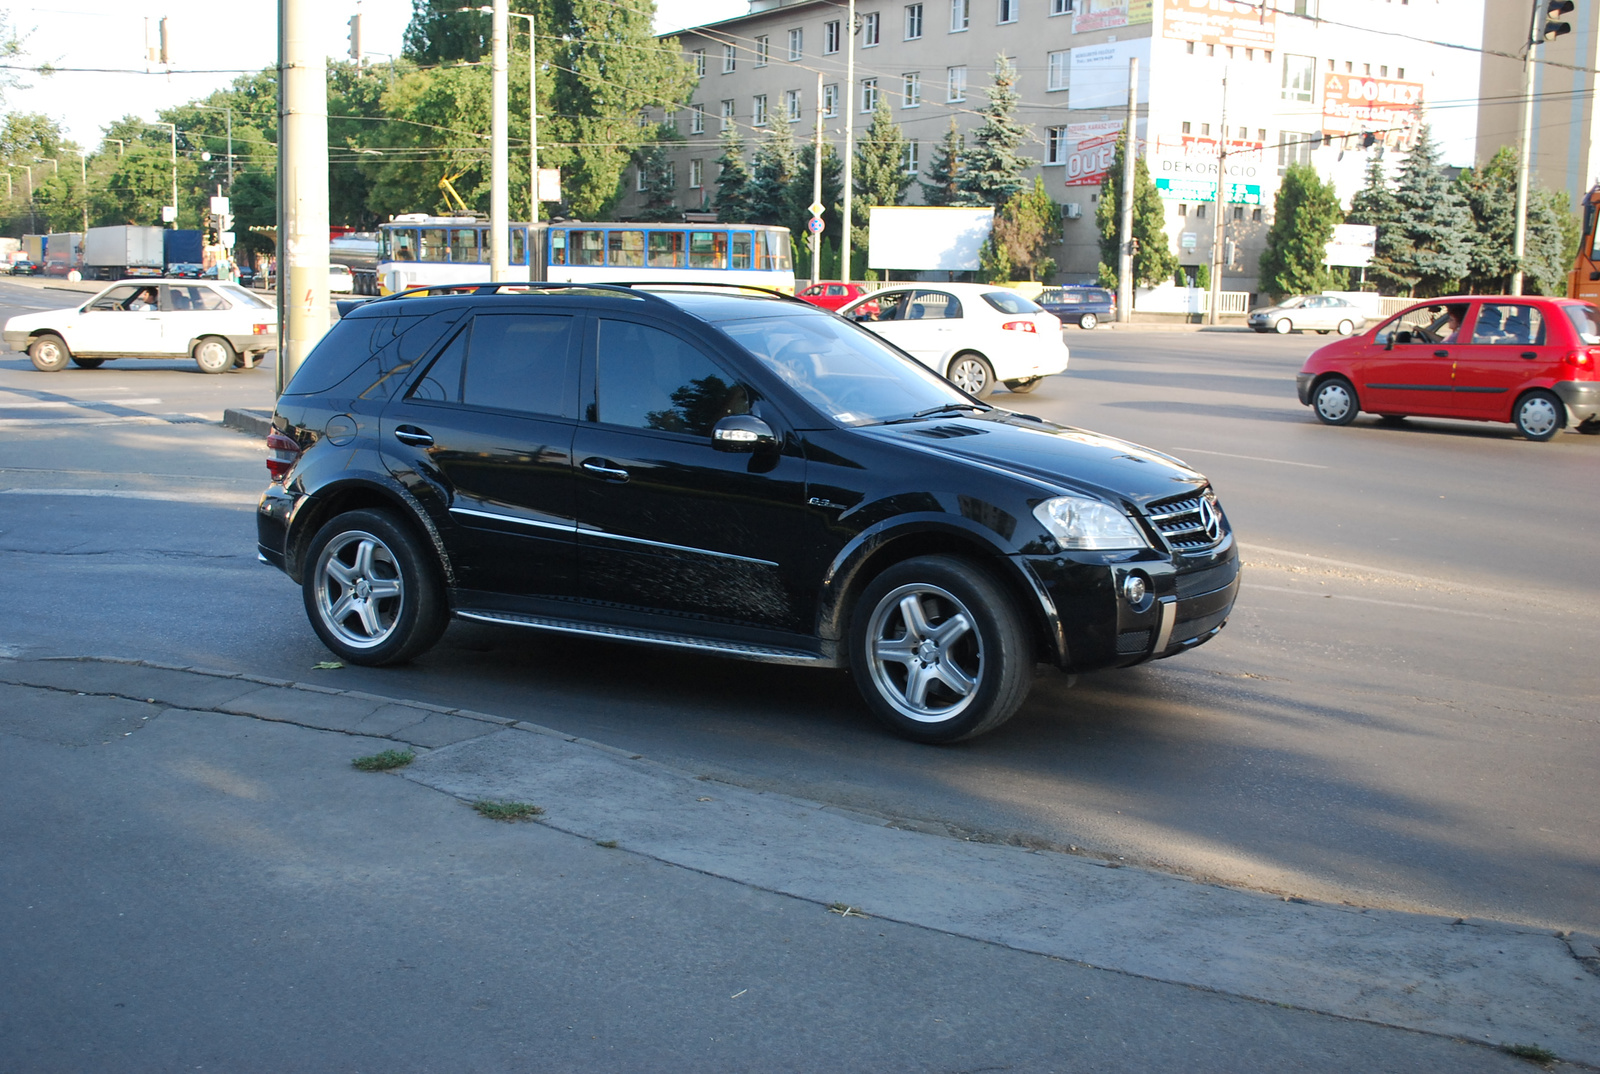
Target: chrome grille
[(1189, 524)]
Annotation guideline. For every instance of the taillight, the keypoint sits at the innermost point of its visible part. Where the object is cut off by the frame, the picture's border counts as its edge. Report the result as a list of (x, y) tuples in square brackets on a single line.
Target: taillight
[(263, 329), (1019, 326), (282, 451), (1583, 357)]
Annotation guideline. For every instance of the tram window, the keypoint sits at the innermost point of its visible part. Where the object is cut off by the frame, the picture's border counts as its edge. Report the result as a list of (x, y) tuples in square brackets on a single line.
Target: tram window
[(463, 244), (433, 244), (586, 247), (777, 245), (626, 248), (708, 249), (402, 245), (519, 241), (558, 246), (739, 249), (666, 249)]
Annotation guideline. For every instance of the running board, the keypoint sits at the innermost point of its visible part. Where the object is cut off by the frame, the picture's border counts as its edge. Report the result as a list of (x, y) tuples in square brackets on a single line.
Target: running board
[(767, 653)]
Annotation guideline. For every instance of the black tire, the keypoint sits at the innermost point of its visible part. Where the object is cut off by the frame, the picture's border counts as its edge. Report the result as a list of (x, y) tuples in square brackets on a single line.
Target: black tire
[(1283, 326), (88, 363), (1539, 415), (1335, 402), (1322, 331), (1088, 320), (213, 354), (1023, 386), (405, 615), (968, 649), (972, 373), (49, 353)]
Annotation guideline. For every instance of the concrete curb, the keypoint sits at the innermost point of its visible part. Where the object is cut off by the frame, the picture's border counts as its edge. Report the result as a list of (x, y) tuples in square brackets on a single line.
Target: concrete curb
[(250, 422), (1481, 981)]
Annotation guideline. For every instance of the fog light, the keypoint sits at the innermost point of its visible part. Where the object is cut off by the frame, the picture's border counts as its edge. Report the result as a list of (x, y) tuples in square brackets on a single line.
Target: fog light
[(1135, 590)]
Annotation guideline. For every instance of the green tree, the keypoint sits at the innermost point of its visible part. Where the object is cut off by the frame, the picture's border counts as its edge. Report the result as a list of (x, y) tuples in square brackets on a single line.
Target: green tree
[(773, 168), (733, 180), (1155, 260), (438, 122), (1434, 246), (1490, 194), (1024, 228), (660, 185), (1374, 205), (799, 193), (993, 167), (946, 167), (440, 32), (880, 171), (1304, 216)]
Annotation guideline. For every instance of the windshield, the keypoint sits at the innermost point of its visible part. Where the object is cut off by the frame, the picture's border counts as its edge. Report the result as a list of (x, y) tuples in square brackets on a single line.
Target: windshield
[(1010, 302), (1586, 319), (240, 295), (844, 371)]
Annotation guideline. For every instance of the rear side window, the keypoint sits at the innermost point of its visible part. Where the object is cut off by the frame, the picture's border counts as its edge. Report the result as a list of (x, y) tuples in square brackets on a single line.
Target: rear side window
[(395, 341), (1009, 302), (1586, 319), (1508, 324), (504, 361)]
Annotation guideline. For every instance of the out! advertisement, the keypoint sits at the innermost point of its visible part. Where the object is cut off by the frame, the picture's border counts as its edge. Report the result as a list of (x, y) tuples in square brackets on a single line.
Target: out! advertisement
[(1090, 149)]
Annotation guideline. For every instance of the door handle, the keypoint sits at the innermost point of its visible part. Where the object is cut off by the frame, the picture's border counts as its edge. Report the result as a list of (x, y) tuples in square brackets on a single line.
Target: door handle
[(1530, 354), (410, 434), (1441, 354), (604, 469)]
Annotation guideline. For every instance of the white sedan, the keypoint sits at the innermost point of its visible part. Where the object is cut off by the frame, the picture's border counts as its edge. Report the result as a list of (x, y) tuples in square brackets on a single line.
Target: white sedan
[(973, 334), (219, 325)]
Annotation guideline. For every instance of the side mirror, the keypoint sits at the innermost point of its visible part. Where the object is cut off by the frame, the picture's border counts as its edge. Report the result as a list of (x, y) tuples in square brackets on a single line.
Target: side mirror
[(742, 433)]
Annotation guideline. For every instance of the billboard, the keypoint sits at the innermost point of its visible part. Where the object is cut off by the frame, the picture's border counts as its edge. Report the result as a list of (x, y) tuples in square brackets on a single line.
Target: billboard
[(1219, 22), (1351, 105), (922, 237), (1099, 74), (1352, 245), (1110, 14), (1090, 147), (1186, 170)]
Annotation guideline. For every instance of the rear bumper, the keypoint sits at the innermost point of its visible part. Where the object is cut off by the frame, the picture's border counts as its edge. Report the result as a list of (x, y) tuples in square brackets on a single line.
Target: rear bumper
[(1582, 398)]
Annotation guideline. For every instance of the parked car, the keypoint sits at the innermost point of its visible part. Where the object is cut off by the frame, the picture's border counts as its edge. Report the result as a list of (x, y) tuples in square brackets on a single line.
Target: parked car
[(1082, 306), (185, 270), (340, 280), (831, 294), (219, 325), (1319, 313), (1526, 360), (724, 473), (24, 267), (974, 334)]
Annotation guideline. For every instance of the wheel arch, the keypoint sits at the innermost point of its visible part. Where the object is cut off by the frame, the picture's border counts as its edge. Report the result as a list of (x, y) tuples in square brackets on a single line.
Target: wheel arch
[(355, 492), (1542, 385)]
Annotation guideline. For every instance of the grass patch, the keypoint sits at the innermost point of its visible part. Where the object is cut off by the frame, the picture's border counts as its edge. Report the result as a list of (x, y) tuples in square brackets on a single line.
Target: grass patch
[(1531, 1052), (501, 810), (844, 910), (382, 762), (609, 844)]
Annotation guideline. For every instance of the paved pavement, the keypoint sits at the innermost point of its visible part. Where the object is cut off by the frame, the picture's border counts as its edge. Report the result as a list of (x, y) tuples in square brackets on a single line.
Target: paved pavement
[(198, 880)]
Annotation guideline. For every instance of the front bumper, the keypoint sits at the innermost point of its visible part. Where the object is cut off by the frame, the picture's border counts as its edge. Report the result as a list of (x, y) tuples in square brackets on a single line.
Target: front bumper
[(17, 341), (1582, 398), (1302, 387)]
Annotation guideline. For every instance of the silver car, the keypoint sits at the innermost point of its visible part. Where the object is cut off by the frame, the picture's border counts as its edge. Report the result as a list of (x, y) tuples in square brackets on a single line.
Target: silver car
[(1321, 313)]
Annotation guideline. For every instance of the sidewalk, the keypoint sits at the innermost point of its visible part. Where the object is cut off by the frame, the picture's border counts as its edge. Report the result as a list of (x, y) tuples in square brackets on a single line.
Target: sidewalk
[(1176, 948)]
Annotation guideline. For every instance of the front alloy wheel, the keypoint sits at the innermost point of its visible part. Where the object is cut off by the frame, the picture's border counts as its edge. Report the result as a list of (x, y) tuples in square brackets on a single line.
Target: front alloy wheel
[(1283, 326)]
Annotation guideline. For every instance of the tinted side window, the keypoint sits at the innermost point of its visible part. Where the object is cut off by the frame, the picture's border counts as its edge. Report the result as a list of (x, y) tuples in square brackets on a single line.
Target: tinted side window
[(517, 361), (650, 379), (396, 340)]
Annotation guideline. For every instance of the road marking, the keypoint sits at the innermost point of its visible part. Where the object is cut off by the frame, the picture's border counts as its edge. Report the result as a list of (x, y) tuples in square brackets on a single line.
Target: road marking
[(1252, 458), (112, 419), (1387, 603), (58, 404), (183, 495)]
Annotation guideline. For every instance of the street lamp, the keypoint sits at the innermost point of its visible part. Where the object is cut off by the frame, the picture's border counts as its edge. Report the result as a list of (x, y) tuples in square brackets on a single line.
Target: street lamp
[(173, 127), (533, 107), (121, 145), (33, 223)]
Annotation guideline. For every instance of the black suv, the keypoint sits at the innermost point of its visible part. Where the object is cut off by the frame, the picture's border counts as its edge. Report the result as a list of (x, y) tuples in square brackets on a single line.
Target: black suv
[(727, 472)]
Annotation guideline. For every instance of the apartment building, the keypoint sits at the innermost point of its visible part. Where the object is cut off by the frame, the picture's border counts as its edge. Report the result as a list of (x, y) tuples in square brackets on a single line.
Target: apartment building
[(1275, 82)]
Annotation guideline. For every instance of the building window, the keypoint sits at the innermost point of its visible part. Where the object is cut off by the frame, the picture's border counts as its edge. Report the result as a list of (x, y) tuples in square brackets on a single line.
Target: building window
[(1183, 208), (1058, 70), (830, 37), (1249, 53), (640, 178), (1230, 51), (1294, 147), (956, 79), (913, 21), (1211, 50), (697, 174), (1064, 7), (869, 94), (911, 89), (869, 30), (1269, 55), (1255, 214), (912, 161), (763, 50), (758, 110), (1008, 11), (1188, 47), (830, 100), (1200, 211), (1244, 134), (1261, 135), (699, 63), (1055, 142), (697, 119), (1186, 126), (1299, 72), (727, 115), (960, 15), (1205, 130), (1238, 212), (1399, 72), (729, 58), (796, 43), (1366, 70), (791, 105), (1383, 70)]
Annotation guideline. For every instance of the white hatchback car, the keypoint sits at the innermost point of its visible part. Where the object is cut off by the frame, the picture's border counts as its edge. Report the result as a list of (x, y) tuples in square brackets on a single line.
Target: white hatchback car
[(973, 334), (219, 325)]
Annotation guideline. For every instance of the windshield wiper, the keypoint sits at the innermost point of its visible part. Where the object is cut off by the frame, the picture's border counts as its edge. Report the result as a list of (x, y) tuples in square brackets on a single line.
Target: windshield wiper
[(943, 409)]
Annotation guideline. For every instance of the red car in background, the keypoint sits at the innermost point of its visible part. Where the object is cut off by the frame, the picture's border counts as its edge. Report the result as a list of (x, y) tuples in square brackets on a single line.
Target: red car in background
[(1525, 360), (831, 294)]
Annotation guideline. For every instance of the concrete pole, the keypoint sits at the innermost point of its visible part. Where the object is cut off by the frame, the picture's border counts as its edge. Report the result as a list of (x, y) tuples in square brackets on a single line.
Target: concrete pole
[(1218, 226), (816, 187), (849, 134), (83, 175), (499, 140), (302, 185), (1130, 152), (533, 126), (174, 177), (1519, 243)]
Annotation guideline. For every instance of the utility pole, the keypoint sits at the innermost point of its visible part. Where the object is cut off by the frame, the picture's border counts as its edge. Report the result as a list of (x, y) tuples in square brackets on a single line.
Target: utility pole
[(499, 138), (1218, 226), (302, 185), (849, 134), (816, 187), (1130, 151)]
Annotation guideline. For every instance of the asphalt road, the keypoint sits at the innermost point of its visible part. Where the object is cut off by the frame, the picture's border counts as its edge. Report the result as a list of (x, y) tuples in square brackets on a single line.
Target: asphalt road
[(1401, 712)]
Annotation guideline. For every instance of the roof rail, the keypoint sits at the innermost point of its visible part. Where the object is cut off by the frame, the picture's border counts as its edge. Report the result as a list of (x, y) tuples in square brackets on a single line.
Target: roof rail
[(629, 288)]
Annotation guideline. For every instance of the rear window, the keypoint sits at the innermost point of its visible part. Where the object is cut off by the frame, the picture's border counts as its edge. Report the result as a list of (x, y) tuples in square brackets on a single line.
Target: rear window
[(1586, 320), (1010, 302), (396, 340)]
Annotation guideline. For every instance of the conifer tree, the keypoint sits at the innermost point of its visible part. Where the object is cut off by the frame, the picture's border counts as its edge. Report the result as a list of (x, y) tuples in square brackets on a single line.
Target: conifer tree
[(772, 169), (880, 170), (1374, 205), (798, 196), (1155, 261), (733, 180), (1303, 220), (994, 168), (1490, 193), (660, 185), (945, 169), (1434, 246)]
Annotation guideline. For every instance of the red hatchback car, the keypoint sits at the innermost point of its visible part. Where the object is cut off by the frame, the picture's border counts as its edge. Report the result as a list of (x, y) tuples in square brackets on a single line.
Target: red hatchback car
[(831, 294), (1525, 360)]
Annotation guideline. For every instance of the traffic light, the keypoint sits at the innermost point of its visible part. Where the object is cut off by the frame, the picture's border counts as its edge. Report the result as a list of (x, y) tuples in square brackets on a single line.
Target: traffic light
[(1554, 26), (355, 38), (1368, 139)]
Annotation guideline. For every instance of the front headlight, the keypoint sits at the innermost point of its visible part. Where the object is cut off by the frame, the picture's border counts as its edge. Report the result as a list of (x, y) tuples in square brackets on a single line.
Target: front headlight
[(1079, 522)]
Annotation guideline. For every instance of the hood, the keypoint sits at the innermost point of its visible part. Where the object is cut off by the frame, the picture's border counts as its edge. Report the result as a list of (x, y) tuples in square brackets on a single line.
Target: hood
[(42, 319), (1058, 456)]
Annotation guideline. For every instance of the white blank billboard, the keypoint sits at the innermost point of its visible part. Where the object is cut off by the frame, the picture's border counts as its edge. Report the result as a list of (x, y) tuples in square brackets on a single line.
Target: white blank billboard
[(920, 238)]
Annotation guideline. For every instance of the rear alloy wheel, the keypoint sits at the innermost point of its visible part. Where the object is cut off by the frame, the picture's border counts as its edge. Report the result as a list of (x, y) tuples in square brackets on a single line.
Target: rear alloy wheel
[(214, 355), (88, 363), (1345, 327), (1538, 415), (972, 373), (1283, 326), (1335, 402), (939, 651), (371, 591), (49, 353), (1023, 386), (1088, 320)]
